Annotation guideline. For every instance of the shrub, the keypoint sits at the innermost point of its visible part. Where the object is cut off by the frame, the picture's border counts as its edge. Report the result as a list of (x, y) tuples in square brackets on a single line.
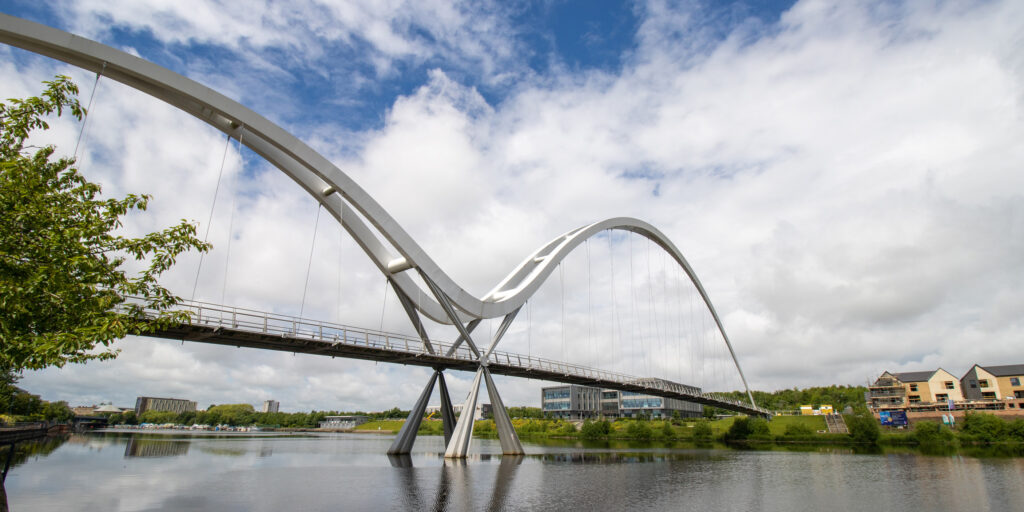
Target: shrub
[(984, 428), (666, 430), (639, 430), (863, 428), (932, 433), (702, 431), (1015, 430), (595, 429)]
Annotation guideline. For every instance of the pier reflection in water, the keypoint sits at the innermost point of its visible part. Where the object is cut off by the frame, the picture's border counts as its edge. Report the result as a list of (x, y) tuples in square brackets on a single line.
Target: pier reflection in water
[(351, 472)]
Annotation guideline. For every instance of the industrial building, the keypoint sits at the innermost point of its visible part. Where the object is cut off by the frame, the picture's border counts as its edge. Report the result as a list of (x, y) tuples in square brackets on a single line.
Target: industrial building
[(148, 403)]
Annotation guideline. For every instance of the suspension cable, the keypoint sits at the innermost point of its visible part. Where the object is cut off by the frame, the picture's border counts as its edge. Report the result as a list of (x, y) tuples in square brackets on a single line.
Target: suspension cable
[(529, 330), (341, 241), (231, 218), (309, 264), (590, 311), (615, 313), (85, 118), (213, 205), (561, 286), (384, 307)]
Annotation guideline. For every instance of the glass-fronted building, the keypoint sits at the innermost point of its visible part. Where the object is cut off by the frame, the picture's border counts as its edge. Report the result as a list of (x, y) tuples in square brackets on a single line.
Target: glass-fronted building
[(571, 402), (577, 402)]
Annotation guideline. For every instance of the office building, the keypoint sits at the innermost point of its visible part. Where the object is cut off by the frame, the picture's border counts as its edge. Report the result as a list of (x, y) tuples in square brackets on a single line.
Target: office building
[(148, 403), (270, 406), (575, 402)]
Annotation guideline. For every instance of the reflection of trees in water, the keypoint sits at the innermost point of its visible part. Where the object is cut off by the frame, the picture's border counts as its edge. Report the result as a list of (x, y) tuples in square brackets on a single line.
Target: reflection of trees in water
[(13, 454), (226, 452), (138, 447), (25, 449)]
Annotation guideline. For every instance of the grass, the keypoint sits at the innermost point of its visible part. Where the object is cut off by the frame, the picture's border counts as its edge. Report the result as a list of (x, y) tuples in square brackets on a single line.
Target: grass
[(779, 423), (382, 426)]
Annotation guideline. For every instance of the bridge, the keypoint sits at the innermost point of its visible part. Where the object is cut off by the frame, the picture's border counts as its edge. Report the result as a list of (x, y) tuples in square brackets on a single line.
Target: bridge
[(238, 327), (424, 290)]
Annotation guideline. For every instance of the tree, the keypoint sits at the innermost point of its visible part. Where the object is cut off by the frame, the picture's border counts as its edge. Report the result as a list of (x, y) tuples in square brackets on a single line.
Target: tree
[(666, 430), (63, 288), (983, 428), (57, 411), (863, 427), (702, 431)]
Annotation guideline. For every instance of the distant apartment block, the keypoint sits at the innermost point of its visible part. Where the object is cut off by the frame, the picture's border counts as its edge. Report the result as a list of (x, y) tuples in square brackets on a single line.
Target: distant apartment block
[(901, 389), (148, 403), (994, 382), (982, 387), (270, 406)]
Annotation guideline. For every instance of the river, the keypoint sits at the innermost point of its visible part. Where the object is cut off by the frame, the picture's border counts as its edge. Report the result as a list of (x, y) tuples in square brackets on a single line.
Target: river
[(267, 472)]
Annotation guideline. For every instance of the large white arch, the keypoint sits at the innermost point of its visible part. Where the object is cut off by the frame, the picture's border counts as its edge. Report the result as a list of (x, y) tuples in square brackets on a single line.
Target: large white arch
[(335, 190)]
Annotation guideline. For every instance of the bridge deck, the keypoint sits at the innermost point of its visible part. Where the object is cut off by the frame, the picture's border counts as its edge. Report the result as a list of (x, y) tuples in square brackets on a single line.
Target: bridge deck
[(224, 325)]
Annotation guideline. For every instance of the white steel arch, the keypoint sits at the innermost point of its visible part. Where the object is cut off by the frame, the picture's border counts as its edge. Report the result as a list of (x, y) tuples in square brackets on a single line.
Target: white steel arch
[(342, 196)]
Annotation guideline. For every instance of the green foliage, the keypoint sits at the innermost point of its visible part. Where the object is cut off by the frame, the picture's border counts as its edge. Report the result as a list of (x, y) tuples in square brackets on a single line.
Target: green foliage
[(485, 427), (14, 400), (780, 424), (863, 427), (61, 275), (57, 411), (745, 428), (595, 429), (393, 413), (983, 428), (525, 412), (1015, 430), (791, 399), (567, 428), (431, 428), (932, 433), (639, 430), (702, 431), (798, 430), (533, 426), (667, 432), (129, 418)]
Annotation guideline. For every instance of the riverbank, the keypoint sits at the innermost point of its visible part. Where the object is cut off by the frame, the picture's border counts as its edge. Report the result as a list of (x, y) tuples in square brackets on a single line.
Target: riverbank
[(978, 430)]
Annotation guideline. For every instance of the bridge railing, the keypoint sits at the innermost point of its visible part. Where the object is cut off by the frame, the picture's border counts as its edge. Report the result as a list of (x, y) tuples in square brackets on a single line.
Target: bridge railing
[(285, 326)]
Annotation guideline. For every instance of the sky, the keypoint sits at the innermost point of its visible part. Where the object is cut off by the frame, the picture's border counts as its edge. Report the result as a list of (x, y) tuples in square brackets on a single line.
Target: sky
[(846, 178)]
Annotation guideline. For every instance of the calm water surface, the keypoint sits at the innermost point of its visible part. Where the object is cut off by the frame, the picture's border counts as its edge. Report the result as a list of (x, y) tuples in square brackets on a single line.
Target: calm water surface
[(143, 472)]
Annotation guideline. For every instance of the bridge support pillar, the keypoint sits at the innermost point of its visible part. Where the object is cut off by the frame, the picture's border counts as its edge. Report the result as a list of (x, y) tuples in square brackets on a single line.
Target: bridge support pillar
[(510, 444), (407, 435), (447, 411), (458, 447)]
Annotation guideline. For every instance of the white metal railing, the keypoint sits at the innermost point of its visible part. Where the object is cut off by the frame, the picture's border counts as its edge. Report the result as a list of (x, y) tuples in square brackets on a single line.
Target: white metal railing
[(253, 321)]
